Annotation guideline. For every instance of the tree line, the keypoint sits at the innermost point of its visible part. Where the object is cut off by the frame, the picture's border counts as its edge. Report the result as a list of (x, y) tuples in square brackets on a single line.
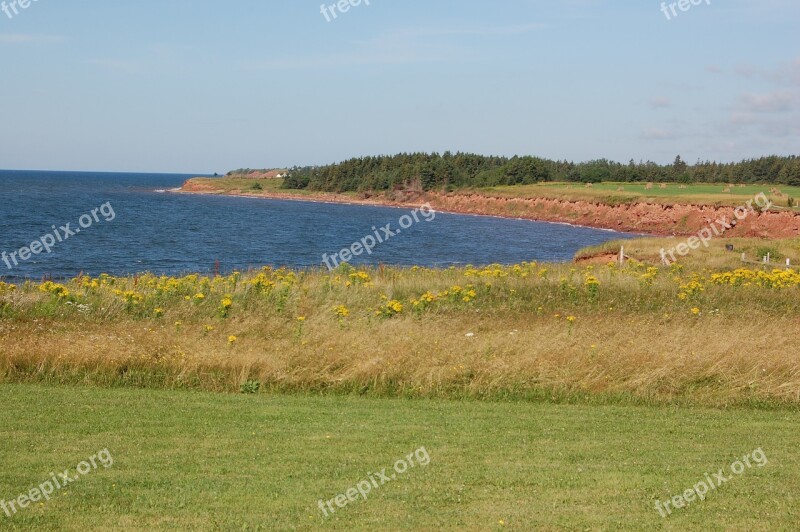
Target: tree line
[(450, 171)]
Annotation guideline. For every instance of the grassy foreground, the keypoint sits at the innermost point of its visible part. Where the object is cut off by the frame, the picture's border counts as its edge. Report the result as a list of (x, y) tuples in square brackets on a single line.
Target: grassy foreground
[(201, 461), (684, 334)]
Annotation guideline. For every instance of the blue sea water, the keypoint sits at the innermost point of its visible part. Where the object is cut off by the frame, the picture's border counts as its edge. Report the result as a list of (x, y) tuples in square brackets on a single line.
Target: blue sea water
[(154, 230)]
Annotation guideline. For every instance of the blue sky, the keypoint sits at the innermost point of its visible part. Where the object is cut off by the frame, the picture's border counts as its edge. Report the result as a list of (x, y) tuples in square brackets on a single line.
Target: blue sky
[(205, 86)]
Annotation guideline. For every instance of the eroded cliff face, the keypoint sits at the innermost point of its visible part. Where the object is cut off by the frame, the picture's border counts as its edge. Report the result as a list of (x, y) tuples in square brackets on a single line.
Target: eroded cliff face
[(651, 218), (638, 217)]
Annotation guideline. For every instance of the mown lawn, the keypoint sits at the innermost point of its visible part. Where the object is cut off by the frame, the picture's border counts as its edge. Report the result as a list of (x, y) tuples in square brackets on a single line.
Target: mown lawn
[(204, 461)]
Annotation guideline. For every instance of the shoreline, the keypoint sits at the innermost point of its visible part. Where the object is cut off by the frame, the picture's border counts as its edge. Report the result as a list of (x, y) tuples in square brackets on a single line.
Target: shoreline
[(317, 198), (641, 219)]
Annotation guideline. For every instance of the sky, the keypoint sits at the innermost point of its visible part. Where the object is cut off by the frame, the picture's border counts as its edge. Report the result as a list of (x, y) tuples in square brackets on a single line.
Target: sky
[(200, 86)]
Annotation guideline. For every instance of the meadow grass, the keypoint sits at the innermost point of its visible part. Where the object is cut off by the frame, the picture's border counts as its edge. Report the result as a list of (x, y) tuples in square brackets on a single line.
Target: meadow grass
[(254, 186), (713, 257), (202, 461), (646, 334)]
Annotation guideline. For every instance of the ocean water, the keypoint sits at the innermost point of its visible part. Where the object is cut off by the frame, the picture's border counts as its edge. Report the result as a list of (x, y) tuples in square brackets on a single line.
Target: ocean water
[(139, 226)]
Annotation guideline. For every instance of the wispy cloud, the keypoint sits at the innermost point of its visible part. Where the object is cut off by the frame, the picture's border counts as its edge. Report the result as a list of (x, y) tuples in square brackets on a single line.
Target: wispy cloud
[(29, 38), (768, 114), (774, 114), (389, 49), (789, 73), (513, 29), (661, 102), (116, 64), (657, 134), (773, 102), (358, 58), (400, 46), (786, 74)]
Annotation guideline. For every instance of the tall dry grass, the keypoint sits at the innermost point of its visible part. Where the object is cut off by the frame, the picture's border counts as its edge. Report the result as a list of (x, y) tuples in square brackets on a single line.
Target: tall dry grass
[(555, 332)]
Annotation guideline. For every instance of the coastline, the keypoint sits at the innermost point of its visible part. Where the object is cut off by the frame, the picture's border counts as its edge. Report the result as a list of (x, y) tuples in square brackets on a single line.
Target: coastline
[(317, 198), (646, 219)]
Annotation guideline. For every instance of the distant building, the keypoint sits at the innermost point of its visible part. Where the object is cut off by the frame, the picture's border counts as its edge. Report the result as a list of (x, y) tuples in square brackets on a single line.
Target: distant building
[(275, 174)]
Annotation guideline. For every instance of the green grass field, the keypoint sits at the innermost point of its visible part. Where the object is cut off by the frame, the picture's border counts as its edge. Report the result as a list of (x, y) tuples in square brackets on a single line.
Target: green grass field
[(672, 193), (203, 461)]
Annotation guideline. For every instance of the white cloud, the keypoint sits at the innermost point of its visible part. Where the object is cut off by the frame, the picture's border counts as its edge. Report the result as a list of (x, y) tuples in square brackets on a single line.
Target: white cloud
[(773, 102), (767, 118)]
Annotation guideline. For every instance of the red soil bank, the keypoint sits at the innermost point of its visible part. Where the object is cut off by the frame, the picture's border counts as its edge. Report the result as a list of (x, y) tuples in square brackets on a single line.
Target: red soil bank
[(636, 217), (651, 218)]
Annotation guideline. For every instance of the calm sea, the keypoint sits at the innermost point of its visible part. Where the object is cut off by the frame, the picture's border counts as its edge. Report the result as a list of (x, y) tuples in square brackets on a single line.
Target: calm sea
[(161, 232)]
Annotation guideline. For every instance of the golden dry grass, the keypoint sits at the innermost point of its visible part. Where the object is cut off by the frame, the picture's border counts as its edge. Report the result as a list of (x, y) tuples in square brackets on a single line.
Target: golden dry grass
[(532, 331), (710, 361)]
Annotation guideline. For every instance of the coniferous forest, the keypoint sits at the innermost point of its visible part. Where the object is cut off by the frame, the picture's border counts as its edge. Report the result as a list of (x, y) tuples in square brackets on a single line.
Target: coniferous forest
[(451, 171)]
